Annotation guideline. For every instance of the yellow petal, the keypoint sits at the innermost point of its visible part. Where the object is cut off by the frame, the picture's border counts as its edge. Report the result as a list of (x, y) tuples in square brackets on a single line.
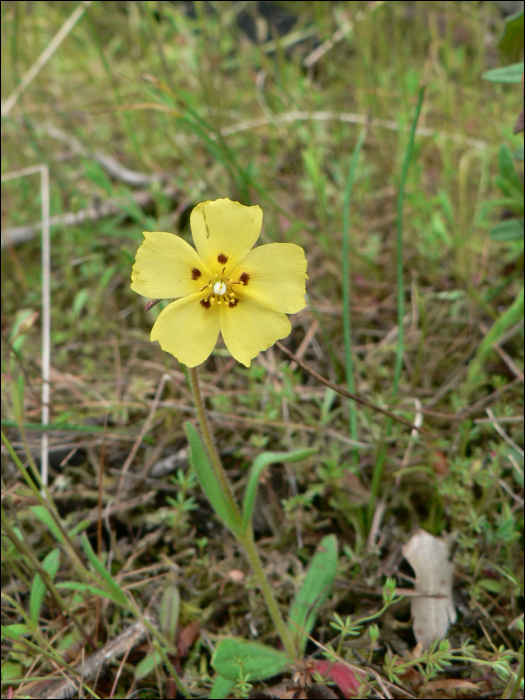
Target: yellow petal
[(166, 267), (273, 275), (187, 330), (224, 231), (248, 328)]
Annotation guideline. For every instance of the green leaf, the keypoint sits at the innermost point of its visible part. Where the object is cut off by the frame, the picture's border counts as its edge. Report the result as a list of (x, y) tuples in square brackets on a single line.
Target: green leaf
[(116, 593), (518, 153), (507, 74), (82, 525), (314, 591), (99, 592), (509, 230), (237, 657), (15, 631), (210, 485), (80, 300), (492, 585), (508, 169), (169, 611), (508, 202), (508, 318), (515, 197), (50, 564), (511, 41), (221, 688), (260, 462), (96, 173), (11, 670), (147, 665), (45, 517)]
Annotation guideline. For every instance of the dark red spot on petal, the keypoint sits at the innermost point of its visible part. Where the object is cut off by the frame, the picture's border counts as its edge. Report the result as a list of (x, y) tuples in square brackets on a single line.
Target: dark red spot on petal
[(195, 273), (205, 303), (223, 259), (244, 278), (233, 302)]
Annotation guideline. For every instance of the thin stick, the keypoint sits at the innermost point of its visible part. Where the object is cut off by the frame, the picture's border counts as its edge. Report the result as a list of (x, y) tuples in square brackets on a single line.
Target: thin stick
[(350, 118), (46, 302), (349, 395), (46, 320), (17, 235)]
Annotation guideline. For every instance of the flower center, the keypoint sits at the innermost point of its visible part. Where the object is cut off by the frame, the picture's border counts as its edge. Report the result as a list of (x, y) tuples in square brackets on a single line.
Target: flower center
[(221, 291), (220, 288)]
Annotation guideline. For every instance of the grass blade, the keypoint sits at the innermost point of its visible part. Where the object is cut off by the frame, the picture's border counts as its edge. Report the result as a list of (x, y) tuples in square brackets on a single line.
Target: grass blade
[(117, 594), (380, 462), (347, 284)]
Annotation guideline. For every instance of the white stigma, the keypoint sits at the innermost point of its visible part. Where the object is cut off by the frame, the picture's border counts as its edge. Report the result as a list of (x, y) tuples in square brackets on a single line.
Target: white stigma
[(219, 288)]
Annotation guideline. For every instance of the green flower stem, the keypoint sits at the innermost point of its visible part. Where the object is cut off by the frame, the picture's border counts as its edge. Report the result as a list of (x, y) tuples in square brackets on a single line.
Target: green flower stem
[(245, 538), (248, 542), (210, 445)]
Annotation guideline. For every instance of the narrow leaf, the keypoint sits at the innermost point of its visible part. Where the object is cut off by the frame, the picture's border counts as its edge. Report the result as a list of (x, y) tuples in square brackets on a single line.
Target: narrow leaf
[(210, 485), (147, 665), (260, 462), (508, 318), (508, 169), (314, 591), (170, 611), (511, 41), (45, 517), (81, 587), (507, 74), (38, 589), (15, 631), (509, 230), (234, 658), (114, 588)]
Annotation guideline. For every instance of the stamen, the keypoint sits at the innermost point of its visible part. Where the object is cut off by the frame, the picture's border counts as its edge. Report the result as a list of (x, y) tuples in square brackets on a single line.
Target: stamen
[(222, 291)]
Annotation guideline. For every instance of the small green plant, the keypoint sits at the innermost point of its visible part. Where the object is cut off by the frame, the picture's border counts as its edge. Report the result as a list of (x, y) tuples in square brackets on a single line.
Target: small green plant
[(245, 294), (511, 186)]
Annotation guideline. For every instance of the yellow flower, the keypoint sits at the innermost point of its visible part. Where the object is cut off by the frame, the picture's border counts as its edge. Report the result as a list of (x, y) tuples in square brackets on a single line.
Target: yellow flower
[(223, 286)]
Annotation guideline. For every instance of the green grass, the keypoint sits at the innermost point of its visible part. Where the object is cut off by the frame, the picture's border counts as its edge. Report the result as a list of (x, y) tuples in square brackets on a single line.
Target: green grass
[(213, 114)]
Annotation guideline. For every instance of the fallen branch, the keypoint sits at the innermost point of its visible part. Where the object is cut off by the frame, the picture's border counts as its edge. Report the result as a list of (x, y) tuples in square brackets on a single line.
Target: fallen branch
[(90, 667), (20, 234)]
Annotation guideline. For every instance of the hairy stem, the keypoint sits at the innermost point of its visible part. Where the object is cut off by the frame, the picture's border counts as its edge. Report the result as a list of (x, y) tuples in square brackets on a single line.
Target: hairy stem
[(210, 445), (244, 538), (248, 543)]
